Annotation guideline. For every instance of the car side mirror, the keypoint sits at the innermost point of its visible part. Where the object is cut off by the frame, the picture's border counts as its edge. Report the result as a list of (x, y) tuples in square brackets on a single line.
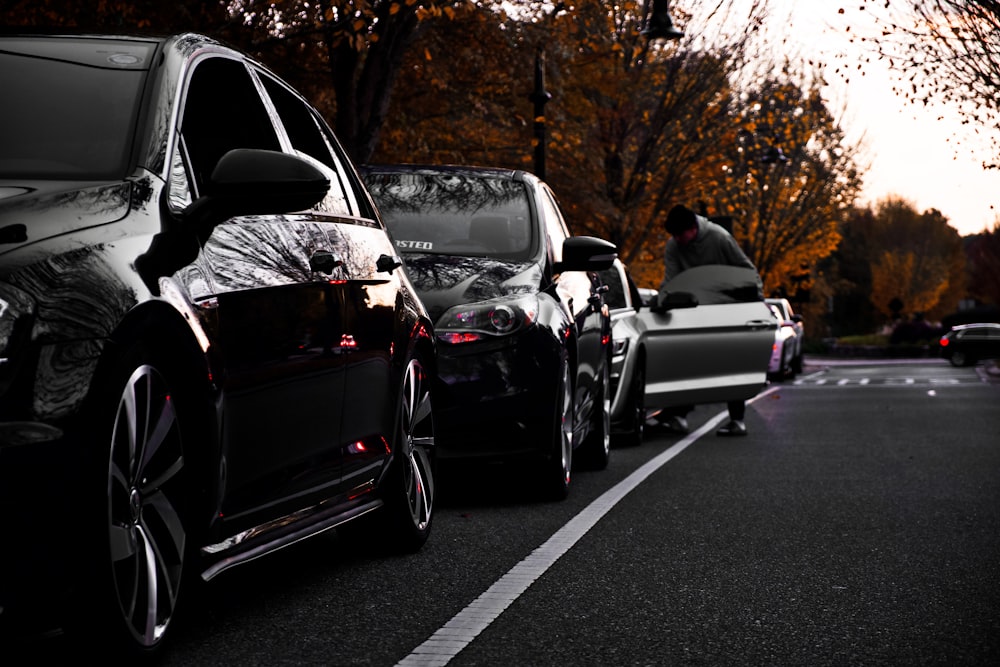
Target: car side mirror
[(249, 181), (244, 182), (586, 253)]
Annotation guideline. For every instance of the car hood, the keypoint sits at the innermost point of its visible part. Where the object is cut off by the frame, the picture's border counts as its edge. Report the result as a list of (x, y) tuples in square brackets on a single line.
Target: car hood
[(443, 281), (33, 211)]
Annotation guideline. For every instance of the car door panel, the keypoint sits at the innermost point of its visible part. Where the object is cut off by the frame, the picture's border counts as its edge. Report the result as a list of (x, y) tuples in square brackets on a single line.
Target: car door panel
[(706, 354), (279, 326), (369, 300)]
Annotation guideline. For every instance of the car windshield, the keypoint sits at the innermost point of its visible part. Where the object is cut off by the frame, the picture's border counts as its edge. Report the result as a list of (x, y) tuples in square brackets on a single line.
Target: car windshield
[(70, 106), (454, 214), (717, 284)]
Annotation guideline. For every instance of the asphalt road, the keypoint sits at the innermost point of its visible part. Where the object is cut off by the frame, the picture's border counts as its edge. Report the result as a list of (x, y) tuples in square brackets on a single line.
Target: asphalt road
[(857, 524)]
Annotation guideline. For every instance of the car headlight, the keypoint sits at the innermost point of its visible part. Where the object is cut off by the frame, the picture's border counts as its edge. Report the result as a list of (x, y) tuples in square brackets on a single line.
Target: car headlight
[(486, 319)]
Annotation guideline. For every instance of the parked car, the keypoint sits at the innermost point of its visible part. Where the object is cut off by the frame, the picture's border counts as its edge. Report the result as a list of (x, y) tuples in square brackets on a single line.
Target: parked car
[(524, 334), (208, 347), (967, 344), (789, 318), (628, 404), (782, 364), (711, 340)]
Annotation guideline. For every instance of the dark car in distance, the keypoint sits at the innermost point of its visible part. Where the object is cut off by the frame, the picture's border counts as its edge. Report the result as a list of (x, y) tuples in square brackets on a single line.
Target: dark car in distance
[(967, 344), (524, 336), (208, 347)]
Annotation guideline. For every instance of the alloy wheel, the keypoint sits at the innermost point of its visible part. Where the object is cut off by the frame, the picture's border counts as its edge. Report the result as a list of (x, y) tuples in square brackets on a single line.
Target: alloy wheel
[(418, 444), (146, 535)]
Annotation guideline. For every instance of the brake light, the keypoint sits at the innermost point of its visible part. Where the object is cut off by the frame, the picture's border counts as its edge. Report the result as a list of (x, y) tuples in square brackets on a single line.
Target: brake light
[(945, 341)]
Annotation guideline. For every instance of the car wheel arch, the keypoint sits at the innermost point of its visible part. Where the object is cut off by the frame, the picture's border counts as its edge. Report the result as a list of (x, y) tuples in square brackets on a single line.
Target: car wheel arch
[(157, 325), (146, 346)]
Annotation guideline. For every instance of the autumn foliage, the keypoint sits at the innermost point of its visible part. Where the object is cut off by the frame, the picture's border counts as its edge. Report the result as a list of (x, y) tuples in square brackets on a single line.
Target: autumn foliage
[(629, 127)]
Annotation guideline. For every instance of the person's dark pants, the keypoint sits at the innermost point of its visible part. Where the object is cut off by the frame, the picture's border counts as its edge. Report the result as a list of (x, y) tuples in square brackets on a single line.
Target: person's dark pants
[(737, 409)]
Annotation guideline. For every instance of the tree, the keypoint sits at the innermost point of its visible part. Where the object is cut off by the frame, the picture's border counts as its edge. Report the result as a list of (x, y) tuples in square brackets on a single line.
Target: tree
[(984, 266), (462, 93), (788, 179), (344, 54), (125, 16), (847, 274), (916, 258), (636, 127), (642, 124), (944, 50)]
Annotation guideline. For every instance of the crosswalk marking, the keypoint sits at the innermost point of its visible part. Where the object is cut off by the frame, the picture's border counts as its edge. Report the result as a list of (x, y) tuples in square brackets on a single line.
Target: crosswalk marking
[(888, 381)]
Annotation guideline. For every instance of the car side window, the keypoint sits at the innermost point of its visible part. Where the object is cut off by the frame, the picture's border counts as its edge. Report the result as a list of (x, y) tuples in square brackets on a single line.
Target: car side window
[(305, 132), (555, 226), (222, 111), (615, 296)]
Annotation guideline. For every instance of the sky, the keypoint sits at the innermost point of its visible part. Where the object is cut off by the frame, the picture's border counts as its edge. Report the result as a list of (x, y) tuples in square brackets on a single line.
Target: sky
[(912, 154)]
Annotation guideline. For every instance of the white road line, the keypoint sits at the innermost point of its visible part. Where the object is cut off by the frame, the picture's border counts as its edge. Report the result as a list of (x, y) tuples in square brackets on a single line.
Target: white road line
[(459, 632)]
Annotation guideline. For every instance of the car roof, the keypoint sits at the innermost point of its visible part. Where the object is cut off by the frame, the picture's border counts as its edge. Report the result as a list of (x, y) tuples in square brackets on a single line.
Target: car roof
[(435, 169), (976, 325)]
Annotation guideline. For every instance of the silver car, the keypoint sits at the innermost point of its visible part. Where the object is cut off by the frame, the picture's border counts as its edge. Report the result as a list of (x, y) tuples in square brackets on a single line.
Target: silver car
[(789, 318), (710, 342), (782, 364), (628, 361)]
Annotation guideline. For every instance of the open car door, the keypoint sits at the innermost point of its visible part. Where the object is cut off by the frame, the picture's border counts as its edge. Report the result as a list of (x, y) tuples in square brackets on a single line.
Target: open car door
[(712, 343)]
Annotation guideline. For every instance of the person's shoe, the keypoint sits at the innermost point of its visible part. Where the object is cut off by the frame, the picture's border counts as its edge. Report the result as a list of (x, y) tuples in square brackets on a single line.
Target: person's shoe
[(674, 424), (732, 427)]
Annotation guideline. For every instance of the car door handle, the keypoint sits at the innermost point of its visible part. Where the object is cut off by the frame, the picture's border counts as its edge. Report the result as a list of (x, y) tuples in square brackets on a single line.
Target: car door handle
[(324, 261), (757, 325), (388, 263)]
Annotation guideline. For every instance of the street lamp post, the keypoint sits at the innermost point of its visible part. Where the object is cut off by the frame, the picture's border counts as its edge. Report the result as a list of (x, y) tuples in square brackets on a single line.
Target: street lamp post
[(539, 96)]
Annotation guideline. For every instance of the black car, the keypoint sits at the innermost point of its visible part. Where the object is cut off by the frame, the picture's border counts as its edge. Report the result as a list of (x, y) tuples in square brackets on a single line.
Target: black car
[(967, 344), (208, 347), (524, 334)]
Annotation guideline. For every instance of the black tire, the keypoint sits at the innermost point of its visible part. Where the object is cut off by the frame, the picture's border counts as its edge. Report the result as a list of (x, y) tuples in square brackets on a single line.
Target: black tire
[(635, 427), (595, 450), (557, 468), (959, 358), (410, 484), (135, 567)]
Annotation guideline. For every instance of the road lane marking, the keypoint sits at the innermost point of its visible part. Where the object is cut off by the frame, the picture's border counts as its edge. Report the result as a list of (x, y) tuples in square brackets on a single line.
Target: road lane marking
[(465, 626)]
